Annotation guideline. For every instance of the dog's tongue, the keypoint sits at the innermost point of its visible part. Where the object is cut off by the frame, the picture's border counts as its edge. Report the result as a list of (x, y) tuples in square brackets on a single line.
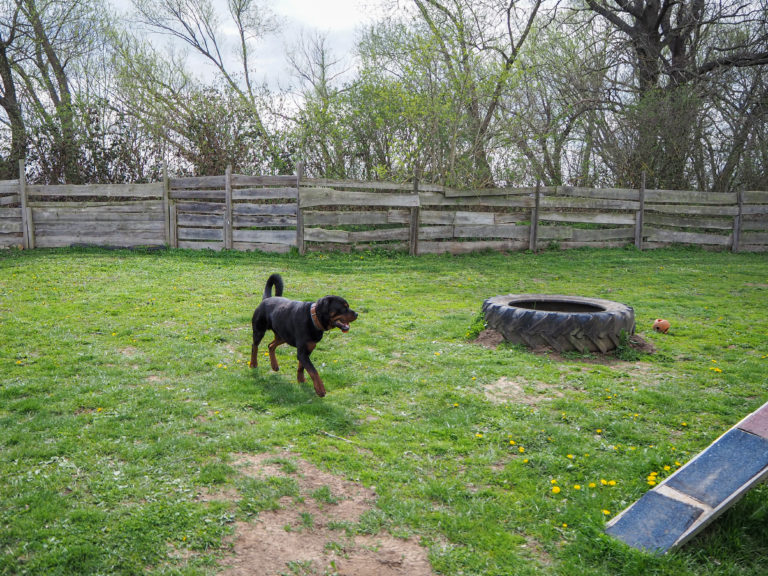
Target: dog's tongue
[(343, 327)]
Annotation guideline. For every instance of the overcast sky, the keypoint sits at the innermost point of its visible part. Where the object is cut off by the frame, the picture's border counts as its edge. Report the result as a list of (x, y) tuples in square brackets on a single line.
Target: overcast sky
[(338, 19)]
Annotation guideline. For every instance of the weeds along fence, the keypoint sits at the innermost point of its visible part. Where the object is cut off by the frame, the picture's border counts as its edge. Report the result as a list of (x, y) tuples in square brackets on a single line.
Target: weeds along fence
[(278, 213)]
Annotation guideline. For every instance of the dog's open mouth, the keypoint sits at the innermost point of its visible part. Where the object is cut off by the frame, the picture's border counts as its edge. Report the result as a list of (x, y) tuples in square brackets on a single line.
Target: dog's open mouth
[(341, 326)]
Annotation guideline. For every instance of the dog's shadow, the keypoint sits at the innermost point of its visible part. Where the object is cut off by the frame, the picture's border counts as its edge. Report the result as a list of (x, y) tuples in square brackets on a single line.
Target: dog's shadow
[(280, 390)]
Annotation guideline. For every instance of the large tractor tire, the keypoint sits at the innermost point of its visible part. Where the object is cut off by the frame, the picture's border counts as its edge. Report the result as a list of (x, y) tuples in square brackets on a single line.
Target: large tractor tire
[(562, 323)]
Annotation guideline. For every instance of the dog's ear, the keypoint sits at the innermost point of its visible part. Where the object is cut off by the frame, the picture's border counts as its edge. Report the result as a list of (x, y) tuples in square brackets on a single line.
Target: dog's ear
[(323, 311)]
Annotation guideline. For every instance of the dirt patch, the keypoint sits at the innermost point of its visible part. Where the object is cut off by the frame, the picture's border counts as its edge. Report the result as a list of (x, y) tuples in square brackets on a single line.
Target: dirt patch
[(307, 534), (506, 390), (489, 339)]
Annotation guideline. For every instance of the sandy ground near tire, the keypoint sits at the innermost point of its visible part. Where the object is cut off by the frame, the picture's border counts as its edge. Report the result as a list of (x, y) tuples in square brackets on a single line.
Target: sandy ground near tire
[(305, 537)]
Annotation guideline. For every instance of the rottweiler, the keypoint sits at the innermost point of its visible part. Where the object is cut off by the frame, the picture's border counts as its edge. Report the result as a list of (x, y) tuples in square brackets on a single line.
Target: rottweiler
[(300, 324)]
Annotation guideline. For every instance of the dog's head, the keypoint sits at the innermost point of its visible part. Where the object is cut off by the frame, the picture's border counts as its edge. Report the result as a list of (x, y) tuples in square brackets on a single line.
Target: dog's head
[(334, 312)]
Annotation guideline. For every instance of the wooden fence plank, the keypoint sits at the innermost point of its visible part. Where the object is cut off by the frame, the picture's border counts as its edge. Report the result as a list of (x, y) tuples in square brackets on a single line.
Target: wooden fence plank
[(754, 238), (200, 207), (690, 197), (755, 197), (98, 228), (603, 235), (282, 180), (559, 202), (370, 218), (436, 233), (154, 206), (197, 182), (201, 234), (311, 197), (380, 235), (611, 218), (265, 236), (261, 247), (239, 194), (10, 226), (186, 220), (673, 236), (194, 245), (265, 221), (8, 200), (74, 216), (128, 239), (487, 192), (360, 185), (322, 235), (263, 209), (154, 190), (688, 210), (512, 231), (603, 193), (435, 199), (9, 186), (749, 209), (182, 195), (754, 223), (469, 247), (693, 222)]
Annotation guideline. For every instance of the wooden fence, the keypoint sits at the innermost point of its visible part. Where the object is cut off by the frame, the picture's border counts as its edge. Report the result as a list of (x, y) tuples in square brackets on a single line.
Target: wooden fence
[(277, 213)]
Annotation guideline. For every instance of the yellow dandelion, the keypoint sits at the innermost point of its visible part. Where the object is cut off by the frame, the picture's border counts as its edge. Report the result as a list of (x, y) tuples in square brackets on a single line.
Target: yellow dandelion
[(603, 482), (611, 482), (569, 456), (667, 468), (555, 489), (592, 485), (479, 435), (553, 481), (521, 449), (607, 512), (577, 486)]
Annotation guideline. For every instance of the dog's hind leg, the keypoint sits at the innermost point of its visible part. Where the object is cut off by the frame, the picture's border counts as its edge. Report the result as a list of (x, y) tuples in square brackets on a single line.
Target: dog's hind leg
[(259, 329), (272, 346)]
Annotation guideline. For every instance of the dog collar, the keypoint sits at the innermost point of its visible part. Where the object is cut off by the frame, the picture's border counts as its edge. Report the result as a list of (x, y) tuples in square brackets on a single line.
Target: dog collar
[(315, 319)]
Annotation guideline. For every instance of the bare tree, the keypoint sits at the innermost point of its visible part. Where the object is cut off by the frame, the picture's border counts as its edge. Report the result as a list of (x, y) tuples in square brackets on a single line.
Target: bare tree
[(9, 100), (197, 24)]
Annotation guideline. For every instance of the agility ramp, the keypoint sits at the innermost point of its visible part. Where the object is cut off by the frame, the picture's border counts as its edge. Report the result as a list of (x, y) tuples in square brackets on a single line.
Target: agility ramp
[(687, 501)]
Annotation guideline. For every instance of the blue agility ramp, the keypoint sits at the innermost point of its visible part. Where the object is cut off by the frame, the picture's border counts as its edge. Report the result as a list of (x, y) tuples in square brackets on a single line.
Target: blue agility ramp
[(687, 501)]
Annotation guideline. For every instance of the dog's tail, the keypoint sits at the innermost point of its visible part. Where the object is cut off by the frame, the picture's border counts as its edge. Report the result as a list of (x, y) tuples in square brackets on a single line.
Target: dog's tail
[(277, 281)]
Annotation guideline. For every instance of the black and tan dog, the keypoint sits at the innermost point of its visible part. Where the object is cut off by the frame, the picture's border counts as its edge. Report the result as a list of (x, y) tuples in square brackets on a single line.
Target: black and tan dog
[(300, 324)]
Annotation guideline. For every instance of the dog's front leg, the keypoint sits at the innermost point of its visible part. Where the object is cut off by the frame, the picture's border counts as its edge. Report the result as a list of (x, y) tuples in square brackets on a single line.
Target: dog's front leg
[(302, 352), (300, 371)]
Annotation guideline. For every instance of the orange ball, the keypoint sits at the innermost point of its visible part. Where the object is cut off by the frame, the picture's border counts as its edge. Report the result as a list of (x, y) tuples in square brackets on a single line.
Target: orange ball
[(661, 325)]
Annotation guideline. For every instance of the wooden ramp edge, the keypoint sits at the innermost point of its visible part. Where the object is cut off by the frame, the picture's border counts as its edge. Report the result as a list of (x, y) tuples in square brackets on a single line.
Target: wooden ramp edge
[(683, 504)]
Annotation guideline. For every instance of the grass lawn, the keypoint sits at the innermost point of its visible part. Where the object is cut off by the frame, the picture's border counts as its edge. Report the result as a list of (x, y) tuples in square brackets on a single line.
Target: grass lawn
[(125, 394)]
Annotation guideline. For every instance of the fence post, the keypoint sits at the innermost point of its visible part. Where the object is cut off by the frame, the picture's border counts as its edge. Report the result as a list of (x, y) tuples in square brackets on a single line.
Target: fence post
[(533, 240), (228, 208), (27, 225), (413, 232), (735, 244), (166, 206), (299, 215), (640, 215)]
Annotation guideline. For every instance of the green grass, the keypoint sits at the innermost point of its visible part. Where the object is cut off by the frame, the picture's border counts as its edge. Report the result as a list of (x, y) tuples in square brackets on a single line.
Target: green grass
[(125, 393)]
